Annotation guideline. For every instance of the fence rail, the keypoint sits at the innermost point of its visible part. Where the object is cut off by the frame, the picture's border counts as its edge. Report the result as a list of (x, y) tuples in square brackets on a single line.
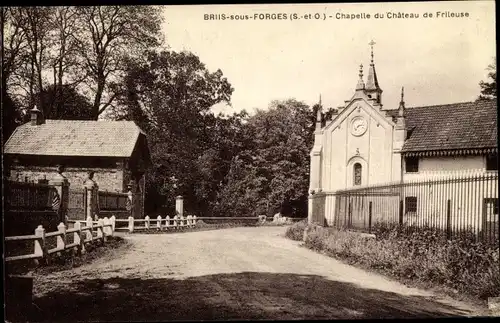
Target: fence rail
[(452, 204), (82, 233)]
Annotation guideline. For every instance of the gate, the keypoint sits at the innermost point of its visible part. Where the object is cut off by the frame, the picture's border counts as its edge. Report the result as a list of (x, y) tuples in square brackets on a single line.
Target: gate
[(77, 204)]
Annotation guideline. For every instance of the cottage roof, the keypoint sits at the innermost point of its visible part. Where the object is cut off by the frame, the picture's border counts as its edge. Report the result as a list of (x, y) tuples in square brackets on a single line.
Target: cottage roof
[(468, 125), (75, 138)]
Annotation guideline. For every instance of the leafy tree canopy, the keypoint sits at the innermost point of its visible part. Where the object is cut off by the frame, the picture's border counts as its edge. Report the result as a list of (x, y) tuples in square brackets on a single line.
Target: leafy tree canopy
[(489, 88)]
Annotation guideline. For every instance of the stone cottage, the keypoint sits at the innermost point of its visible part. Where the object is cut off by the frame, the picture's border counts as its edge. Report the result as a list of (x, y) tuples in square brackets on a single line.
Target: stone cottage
[(116, 152)]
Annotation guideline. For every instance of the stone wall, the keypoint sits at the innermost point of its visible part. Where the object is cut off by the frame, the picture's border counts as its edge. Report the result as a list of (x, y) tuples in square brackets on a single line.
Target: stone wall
[(108, 179)]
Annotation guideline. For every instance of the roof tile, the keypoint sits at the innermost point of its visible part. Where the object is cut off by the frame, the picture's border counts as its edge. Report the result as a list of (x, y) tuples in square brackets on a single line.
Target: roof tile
[(452, 126), (75, 138)]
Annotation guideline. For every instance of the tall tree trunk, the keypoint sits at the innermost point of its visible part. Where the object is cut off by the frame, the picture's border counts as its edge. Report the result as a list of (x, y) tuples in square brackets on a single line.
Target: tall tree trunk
[(98, 97)]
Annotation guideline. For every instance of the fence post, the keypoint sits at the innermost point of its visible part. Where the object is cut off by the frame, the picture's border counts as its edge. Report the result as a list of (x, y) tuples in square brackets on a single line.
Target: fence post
[(106, 229), (91, 192), (113, 224), (158, 222), (167, 222), (100, 231), (40, 250), (349, 215), (194, 220), (401, 210), (61, 239), (130, 224), (189, 221), (60, 199), (89, 232), (448, 219), (179, 205), (370, 217), (146, 223), (175, 222), (78, 239)]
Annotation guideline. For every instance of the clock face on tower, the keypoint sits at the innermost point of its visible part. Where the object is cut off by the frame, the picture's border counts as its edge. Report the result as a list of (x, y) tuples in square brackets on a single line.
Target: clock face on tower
[(358, 126)]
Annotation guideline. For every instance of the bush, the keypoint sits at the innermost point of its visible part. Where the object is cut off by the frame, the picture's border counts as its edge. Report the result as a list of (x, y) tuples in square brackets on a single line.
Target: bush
[(296, 231), (419, 254)]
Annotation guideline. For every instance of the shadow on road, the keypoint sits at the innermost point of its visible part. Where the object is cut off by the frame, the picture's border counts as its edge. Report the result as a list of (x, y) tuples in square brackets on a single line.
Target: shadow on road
[(247, 295)]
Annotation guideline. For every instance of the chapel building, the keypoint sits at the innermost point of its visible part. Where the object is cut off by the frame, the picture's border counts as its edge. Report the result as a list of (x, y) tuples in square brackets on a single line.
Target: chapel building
[(366, 143)]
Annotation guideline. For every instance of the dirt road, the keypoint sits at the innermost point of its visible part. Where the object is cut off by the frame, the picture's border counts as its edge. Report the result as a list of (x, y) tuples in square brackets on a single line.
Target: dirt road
[(238, 273)]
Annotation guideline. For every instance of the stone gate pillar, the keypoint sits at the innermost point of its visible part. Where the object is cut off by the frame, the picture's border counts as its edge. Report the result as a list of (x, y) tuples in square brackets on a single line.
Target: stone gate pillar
[(132, 201), (179, 205), (60, 198), (92, 196)]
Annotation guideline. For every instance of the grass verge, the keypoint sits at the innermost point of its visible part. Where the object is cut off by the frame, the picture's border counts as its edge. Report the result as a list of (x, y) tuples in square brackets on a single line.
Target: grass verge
[(422, 256), (68, 259)]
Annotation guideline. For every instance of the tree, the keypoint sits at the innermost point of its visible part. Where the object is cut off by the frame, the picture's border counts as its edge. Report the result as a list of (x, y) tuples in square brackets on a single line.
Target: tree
[(110, 35), (169, 95), (84, 47), (12, 45), (489, 88), (64, 61), (271, 173), (13, 42), (35, 25), (64, 103), (11, 116)]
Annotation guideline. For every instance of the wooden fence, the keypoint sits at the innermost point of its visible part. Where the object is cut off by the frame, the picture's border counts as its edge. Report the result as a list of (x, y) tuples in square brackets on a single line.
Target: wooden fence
[(180, 222), (175, 223), (82, 233)]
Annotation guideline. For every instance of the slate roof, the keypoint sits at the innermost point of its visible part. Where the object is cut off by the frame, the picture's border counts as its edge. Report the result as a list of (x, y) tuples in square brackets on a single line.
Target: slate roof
[(465, 125), (75, 138)]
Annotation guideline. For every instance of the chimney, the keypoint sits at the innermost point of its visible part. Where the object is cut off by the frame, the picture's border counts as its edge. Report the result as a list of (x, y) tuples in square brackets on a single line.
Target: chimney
[(36, 117)]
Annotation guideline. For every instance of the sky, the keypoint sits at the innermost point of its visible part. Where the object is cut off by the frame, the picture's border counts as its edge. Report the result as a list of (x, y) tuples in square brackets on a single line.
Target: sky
[(438, 60)]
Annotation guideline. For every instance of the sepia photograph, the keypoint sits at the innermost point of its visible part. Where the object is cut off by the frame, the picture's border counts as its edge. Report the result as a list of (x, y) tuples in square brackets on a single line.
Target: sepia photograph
[(254, 162)]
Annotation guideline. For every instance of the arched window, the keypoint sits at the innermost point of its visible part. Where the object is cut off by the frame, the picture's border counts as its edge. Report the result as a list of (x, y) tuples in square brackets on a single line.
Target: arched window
[(357, 174)]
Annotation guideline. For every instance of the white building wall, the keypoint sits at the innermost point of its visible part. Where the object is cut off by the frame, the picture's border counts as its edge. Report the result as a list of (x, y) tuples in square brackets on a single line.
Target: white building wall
[(430, 167), (467, 200)]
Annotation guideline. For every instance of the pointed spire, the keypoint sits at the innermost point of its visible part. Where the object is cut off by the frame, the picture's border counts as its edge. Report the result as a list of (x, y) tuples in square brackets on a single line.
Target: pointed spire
[(402, 102), (372, 81), (361, 83), (318, 118)]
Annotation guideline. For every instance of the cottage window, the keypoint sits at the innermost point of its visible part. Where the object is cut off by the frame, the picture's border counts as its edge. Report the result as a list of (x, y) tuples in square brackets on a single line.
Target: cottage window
[(357, 174), (410, 204), (411, 164), (491, 162)]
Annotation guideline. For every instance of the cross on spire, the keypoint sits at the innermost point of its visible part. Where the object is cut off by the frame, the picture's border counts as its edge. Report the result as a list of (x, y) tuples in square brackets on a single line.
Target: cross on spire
[(371, 45)]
